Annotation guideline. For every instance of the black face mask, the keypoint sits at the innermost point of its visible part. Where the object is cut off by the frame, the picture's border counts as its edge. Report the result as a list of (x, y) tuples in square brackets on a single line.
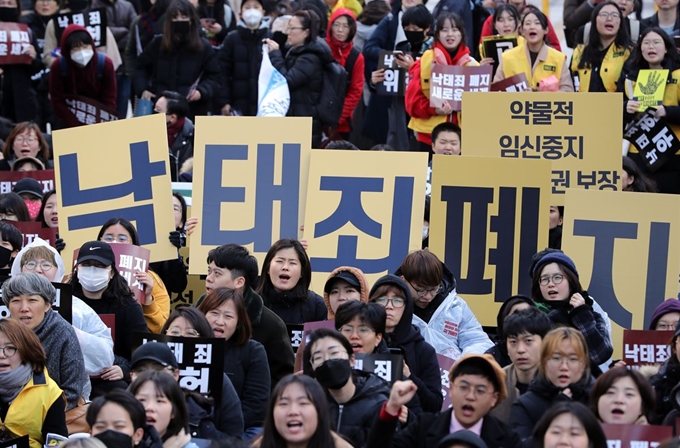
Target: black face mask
[(181, 28), (416, 39), (114, 439), (5, 256), (9, 14), (77, 5), (334, 373), (280, 38)]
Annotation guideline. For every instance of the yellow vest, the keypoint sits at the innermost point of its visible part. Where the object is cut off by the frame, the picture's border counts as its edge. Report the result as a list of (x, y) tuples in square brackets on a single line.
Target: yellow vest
[(425, 125), (27, 412), (516, 61), (610, 70)]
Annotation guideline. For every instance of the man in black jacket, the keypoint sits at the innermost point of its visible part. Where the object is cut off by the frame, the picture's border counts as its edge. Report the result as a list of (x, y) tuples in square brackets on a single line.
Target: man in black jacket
[(477, 386)]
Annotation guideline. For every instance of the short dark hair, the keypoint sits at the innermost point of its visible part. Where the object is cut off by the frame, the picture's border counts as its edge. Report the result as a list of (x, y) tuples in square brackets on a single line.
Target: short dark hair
[(176, 104), (122, 398), (476, 366), (127, 225), (607, 380), (422, 267), (194, 317), (596, 437), (500, 9), (217, 298), (419, 16), (370, 314), (313, 338), (309, 20), (76, 39), (12, 235), (166, 385), (170, 41), (300, 290), (445, 127), (450, 17), (238, 260), (13, 204), (381, 146), (27, 343), (527, 321), (569, 275)]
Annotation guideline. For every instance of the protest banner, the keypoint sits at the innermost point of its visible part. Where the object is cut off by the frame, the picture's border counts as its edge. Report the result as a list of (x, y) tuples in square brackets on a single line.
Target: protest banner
[(572, 131), (646, 347), (249, 185), (200, 361), (88, 111), (63, 302), (486, 228), (396, 78), (650, 87), (295, 335), (15, 41), (494, 47), (646, 129), (364, 209), (448, 82), (9, 178), (31, 230), (634, 436), (89, 192), (93, 20), (445, 364), (602, 236), (387, 366), (517, 83)]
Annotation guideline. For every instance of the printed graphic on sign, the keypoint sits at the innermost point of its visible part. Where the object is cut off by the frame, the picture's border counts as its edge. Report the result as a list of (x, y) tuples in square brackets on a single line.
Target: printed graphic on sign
[(250, 179), (396, 78), (655, 140), (636, 436), (487, 228), (601, 235), (32, 230), (9, 178), (63, 302), (448, 82), (88, 111), (445, 364), (646, 347), (364, 209), (494, 47), (15, 42), (295, 335), (93, 20), (650, 87), (89, 192), (572, 131), (387, 366)]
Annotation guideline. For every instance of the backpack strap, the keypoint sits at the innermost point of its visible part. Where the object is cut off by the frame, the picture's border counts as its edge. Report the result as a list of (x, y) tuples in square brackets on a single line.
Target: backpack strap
[(349, 63), (63, 66), (101, 60)]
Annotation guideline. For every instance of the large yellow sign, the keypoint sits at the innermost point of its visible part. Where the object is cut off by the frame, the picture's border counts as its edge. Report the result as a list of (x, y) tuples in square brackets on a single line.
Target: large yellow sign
[(577, 133)]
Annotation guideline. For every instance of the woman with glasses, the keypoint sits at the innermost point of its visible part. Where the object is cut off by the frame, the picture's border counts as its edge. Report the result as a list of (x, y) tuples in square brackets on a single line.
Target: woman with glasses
[(563, 375), (598, 64), (25, 140), (556, 289), (355, 397), (363, 325), (666, 380), (420, 360)]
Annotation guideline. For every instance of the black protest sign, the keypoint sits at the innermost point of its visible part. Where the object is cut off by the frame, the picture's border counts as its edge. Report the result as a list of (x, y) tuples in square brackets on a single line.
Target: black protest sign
[(396, 78), (20, 442), (200, 361), (94, 21), (63, 303), (295, 335), (655, 140), (387, 366), (494, 46)]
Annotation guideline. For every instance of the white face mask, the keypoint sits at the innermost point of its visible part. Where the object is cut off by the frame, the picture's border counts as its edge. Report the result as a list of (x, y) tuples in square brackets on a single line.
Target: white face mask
[(92, 278), (82, 57), (426, 232), (252, 17)]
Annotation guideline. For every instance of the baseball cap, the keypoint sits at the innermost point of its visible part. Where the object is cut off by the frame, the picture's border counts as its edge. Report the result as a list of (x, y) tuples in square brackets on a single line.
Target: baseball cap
[(156, 352), (343, 275), (28, 185), (97, 251)]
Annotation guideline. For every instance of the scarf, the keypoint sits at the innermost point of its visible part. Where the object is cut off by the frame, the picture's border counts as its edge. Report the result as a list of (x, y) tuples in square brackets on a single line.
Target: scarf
[(174, 130), (339, 50), (461, 55), (13, 382), (147, 23)]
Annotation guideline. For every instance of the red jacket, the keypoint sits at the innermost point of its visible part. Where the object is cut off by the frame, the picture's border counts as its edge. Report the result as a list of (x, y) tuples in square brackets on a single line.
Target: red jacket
[(340, 52), (553, 40)]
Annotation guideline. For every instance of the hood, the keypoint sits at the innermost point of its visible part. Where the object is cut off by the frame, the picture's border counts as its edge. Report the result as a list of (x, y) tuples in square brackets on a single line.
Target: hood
[(16, 266), (448, 286), (667, 306), (505, 309), (365, 31), (338, 13), (67, 32), (363, 295), (405, 332)]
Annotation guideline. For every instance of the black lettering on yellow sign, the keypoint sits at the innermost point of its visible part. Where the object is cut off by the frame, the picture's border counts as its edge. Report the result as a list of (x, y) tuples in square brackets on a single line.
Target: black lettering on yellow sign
[(550, 68)]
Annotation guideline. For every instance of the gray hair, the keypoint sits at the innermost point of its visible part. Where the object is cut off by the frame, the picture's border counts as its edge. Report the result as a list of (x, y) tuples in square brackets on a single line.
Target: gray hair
[(28, 284), (84, 442)]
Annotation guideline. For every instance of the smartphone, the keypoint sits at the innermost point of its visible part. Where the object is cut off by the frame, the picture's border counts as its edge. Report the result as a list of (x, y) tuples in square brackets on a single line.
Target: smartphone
[(209, 21), (396, 351), (398, 53)]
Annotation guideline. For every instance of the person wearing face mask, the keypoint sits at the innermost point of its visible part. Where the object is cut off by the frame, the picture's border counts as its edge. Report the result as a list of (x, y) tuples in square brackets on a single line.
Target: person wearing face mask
[(180, 130), (144, 28), (217, 20), (97, 282), (179, 61), (11, 241), (240, 58), (83, 72), (354, 397)]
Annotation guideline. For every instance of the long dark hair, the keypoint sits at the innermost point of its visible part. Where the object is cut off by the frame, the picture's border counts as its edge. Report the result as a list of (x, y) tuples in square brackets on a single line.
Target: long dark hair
[(13, 204), (322, 437), (265, 288), (596, 437), (170, 41), (41, 215), (510, 9), (543, 20), (641, 183), (116, 292), (309, 20), (127, 225), (183, 204), (450, 17), (670, 61), (592, 48)]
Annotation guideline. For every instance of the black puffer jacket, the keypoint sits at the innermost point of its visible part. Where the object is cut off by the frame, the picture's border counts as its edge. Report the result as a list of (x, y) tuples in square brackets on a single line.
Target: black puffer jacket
[(240, 58), (295, 310), (303, 70), (355, 418), (664, 382)]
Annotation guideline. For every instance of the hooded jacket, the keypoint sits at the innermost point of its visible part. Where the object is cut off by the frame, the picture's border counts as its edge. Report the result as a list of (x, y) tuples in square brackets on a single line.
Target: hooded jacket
[(82, 81), (664, 382), (363, 285), (499, 350), (420, 356), (296, 310)]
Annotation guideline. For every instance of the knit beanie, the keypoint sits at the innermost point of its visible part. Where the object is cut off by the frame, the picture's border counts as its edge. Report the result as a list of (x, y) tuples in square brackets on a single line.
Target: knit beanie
[(555, 257), (667, 306)]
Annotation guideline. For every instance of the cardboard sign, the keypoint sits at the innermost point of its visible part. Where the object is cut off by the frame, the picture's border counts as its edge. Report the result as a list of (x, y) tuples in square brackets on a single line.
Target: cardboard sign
[(295, 332), (647, 129), (396, 78), (572, 131), (386, 365), (89, 192), (445, 364), (88, 111), (601, 235), (93, 20), (634, 436), (517, 83), (19, 442), (9, 178), (448, 82), (487, 228), (250, 182), (15, 41), (650, 87), (31, 230), (364, 209), (646, 347), (494, 47), (63, 303), (200, 361)]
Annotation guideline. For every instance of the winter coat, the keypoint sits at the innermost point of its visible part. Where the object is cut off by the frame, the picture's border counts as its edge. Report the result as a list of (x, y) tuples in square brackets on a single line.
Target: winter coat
[(355, 418), (303, 69), (37, 24), (182, 149), (663, 383), (295, 310), (158, 71), (119, 17), (502, 409), (240, 57), (363, 294), (173, 273), (156, 23), (206, 422), (420, 356), (528, 409)]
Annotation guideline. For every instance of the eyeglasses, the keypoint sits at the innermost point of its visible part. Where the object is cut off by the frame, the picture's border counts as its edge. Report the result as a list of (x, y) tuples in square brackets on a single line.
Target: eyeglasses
[(120, 239), (424, 292), (609, 15), (557, 360), (320, 358), (340, 26), (291, 28), (556, 279), (397, 302), (176, 331), (464, 388), (652, 43), (22, 140), (362, 331), (8, 351), (44, 265), (663, 326)]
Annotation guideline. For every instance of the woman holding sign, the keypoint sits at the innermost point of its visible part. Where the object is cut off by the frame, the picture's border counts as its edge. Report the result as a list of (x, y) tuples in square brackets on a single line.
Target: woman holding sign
[(505, 21), (655, 51), (545, 68), (598, 64)]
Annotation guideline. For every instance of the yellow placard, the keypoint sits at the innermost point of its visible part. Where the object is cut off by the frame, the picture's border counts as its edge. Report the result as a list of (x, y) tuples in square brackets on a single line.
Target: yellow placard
[(118, 169), (574, 132), (364, 209), (249, 186), (650, 87), (486, 228), (626, 247)]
